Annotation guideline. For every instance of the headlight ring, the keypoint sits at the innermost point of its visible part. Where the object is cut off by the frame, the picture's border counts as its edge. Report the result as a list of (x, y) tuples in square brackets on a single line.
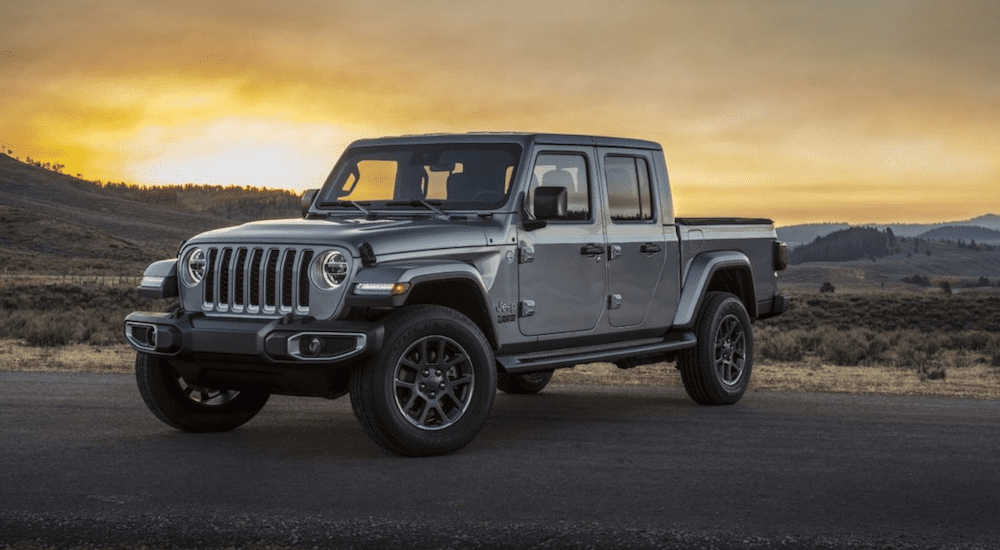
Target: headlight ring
[(330, 270), (194, 266)]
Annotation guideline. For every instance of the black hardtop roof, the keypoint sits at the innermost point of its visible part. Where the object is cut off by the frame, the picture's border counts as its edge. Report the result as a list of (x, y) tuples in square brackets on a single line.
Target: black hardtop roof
[(522, 138)]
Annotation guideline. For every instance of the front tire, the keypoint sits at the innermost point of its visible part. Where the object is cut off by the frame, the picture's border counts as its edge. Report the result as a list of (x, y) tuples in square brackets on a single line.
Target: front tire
[(189, 407), (717, 370), (431, 386)]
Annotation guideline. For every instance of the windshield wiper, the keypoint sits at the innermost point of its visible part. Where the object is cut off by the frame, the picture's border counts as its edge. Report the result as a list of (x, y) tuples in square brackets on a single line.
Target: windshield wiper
[(430, 206), (359, 205)]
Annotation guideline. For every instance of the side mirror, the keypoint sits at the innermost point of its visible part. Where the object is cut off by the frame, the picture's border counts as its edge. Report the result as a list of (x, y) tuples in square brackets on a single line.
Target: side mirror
[(307, 200), (550, 203)]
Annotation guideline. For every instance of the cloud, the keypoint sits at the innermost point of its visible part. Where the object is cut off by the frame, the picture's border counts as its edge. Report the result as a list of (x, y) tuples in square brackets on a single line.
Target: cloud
[(765, 92)]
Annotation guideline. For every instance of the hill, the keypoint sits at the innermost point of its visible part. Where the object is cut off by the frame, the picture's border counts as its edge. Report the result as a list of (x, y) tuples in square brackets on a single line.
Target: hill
[(57, 224), (845, 245), (934, 261), (868, 256), (798, 235), (963, 233)]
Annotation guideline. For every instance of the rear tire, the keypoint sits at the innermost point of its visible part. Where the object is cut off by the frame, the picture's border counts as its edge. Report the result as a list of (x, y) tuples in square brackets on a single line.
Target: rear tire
[(189, 407), (717, 370), (431, 386), (533, 382)]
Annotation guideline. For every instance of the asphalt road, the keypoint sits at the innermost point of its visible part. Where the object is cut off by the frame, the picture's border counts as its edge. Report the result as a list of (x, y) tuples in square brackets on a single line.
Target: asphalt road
[(82, 462)]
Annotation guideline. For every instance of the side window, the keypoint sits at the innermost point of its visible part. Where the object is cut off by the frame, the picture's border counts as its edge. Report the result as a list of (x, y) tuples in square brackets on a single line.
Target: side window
[(565, 170), (629, 194)]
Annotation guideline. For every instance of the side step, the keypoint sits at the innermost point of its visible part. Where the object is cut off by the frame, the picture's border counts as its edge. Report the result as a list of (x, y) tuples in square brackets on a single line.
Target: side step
[(554, 359)]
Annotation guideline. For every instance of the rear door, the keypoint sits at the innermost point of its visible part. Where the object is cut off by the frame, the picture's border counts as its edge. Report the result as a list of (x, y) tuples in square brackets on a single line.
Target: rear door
[(635, 234)]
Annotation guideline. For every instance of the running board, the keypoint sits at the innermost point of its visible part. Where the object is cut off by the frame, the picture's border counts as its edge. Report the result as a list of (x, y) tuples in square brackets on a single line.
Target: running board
[(554, 359)]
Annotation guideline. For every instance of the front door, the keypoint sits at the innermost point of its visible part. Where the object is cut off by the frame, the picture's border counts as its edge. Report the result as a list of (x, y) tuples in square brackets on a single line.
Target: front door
[(563, 266)]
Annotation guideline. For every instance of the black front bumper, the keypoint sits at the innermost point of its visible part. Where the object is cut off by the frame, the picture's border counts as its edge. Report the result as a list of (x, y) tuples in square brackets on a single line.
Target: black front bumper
[(288, 340)]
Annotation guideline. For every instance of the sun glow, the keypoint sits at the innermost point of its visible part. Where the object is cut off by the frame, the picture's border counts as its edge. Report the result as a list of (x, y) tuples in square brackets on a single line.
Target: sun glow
[(847, 111), (236, 151)]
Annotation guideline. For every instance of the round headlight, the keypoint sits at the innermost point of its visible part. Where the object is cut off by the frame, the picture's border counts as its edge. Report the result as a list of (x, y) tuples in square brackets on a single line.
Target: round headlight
[(194, 266), (332, 270)]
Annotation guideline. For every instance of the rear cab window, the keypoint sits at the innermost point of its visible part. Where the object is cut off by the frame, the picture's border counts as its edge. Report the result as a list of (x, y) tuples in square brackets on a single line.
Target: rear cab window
[(629, 189)]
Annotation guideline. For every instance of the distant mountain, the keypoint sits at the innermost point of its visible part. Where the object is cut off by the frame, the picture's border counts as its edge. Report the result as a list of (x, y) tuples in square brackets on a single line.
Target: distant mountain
[(989, 221), (798, 235)]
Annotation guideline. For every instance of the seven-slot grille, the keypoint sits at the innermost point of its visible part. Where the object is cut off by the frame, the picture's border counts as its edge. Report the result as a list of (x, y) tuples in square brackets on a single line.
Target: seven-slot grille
[(257, 279)]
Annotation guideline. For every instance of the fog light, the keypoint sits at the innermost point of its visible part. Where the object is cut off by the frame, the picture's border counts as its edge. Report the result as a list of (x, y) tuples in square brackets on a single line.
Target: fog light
[(313, 347), (317, 346)]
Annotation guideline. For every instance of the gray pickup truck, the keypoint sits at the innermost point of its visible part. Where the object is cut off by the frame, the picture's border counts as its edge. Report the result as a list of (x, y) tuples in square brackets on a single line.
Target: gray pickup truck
[(431, 270)]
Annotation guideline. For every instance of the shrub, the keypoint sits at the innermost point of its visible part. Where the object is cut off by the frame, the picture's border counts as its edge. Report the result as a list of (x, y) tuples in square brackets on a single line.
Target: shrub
[(58, 315), (973, 340), (843, 348), (932, 373), (778, 345), (853, 347)]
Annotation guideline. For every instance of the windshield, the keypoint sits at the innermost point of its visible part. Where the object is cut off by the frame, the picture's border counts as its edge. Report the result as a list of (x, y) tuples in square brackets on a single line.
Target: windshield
[(450, 176)]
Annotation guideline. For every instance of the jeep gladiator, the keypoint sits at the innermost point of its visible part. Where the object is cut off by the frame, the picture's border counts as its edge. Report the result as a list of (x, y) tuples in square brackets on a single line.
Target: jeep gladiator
[(431, 270)]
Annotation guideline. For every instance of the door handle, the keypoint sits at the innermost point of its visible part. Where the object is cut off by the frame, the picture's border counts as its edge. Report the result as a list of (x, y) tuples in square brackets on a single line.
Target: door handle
[(650, 248), (592, 250)]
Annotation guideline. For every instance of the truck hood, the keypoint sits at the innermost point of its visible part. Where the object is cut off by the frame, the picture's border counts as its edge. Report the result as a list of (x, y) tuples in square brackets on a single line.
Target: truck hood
[(386, 236)]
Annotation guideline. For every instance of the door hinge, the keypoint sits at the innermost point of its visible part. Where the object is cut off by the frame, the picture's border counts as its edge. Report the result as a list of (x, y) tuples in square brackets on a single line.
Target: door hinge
[(614, 252), (615, 301), (527, 255), (527, 308)]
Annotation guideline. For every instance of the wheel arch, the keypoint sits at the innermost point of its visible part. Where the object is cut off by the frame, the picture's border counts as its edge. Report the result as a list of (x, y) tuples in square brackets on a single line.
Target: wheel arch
[(726, 271), (461, 293), (452, 284)]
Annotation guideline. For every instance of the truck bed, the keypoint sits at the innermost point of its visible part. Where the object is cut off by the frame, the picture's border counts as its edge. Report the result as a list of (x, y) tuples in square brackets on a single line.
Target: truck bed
[(724, 221)]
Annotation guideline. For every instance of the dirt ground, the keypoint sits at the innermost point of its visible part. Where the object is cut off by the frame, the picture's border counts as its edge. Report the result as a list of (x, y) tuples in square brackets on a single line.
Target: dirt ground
[(977, 381)]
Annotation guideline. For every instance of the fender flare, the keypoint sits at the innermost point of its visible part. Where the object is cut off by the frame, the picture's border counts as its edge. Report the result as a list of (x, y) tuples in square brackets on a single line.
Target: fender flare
[(698, 275), (159, 280), (413, 274)]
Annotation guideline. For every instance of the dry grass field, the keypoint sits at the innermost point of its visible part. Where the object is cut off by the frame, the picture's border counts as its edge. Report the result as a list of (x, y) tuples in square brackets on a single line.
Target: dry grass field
[(976, 380), (899, 342)]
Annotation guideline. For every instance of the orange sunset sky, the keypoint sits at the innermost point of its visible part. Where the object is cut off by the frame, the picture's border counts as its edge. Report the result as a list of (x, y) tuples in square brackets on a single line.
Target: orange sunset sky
[(803, 111)]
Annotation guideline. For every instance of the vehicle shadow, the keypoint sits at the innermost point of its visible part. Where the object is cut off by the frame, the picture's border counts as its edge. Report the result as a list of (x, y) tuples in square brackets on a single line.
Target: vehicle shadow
[(297, 429)]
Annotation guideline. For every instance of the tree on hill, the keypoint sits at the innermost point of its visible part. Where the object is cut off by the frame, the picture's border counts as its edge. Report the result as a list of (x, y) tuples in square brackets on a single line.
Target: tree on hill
[(845, 245)]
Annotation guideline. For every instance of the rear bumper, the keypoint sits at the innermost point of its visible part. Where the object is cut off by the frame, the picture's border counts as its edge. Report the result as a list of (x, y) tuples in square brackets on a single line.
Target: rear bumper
[(263, 341)]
